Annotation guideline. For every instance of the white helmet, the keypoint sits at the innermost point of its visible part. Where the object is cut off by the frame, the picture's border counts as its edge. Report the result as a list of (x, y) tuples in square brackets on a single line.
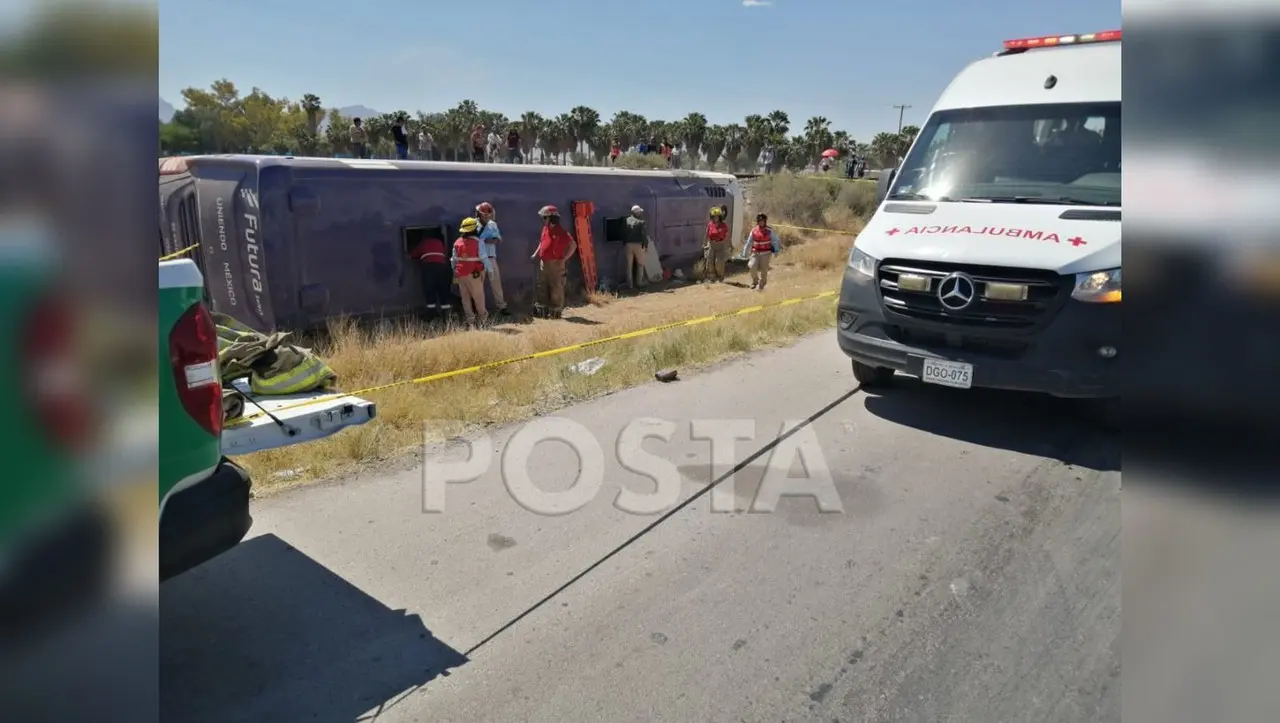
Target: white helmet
[(637, 210)]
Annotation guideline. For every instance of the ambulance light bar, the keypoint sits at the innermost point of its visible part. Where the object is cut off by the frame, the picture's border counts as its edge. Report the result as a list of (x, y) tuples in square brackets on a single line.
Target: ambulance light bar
[(1049, 41)]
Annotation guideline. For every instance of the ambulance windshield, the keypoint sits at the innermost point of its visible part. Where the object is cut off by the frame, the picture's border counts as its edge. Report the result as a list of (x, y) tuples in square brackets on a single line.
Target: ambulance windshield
[(1062, 154)]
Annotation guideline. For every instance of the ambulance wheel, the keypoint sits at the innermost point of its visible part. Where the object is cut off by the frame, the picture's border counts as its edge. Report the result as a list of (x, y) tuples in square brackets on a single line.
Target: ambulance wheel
[(869, 376)]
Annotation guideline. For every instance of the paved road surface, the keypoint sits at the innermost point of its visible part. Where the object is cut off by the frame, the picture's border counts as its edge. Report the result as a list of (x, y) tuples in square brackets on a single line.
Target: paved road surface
[(973, 576)]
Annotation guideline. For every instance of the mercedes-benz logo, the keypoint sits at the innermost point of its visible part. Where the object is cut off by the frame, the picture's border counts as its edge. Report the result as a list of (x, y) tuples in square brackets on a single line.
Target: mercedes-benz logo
[(957, 291)]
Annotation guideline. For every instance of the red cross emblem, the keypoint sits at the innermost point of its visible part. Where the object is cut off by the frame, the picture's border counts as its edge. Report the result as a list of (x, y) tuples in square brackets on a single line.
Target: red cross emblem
[(891, 231), (1076, 241)]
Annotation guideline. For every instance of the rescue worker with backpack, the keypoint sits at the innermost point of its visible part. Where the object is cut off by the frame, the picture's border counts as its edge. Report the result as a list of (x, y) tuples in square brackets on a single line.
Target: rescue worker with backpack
[(761, 246), (555, 248), (636, 248), (717, 248), (468, 272)]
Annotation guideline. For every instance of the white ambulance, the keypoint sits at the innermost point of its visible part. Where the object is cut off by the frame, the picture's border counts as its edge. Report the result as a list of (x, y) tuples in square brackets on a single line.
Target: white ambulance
[(993, 259)]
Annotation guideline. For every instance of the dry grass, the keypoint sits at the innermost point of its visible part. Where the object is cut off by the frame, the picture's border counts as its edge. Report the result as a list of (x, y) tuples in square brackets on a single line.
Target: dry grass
[(365, 358)]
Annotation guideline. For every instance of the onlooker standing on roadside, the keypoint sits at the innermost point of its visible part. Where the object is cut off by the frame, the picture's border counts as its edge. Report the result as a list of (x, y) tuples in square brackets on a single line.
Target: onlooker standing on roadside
[(494, 146), (359, 138), (401, 139), (426, 144), (555, 248), (477, 144), (513, 146), (489, 238)]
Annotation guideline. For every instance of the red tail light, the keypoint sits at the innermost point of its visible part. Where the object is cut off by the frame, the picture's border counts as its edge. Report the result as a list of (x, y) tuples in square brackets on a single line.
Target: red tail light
[(53, 376), (193, 353)]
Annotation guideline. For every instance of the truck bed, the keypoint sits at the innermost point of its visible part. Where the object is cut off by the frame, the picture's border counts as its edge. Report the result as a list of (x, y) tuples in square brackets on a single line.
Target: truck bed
[(280, 421)]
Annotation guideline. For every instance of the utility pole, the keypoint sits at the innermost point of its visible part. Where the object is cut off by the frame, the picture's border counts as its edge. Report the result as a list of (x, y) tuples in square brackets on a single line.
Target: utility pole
[(901, 109)]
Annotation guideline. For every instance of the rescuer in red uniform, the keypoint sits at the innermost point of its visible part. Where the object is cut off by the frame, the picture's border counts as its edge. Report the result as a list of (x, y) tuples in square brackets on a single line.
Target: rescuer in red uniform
[(437, 277), (555, 248), (468, 271), (761, 246), (717, 248)]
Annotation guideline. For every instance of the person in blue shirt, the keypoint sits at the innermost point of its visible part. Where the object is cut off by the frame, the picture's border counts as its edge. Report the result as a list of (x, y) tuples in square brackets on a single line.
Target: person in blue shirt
[(489, 238), (760, 247)]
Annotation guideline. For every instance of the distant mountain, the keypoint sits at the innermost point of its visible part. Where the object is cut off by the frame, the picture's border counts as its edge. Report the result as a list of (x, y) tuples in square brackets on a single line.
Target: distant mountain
[(351, 111), (166, 111), (358, 111)]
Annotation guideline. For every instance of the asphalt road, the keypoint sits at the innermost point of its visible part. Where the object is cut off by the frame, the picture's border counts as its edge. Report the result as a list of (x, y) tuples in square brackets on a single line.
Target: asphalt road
[(973, 575)]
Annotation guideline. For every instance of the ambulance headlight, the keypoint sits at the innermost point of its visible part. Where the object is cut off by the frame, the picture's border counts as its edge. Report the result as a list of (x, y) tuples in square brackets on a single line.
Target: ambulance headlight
[(1099, 287), (862, 263)]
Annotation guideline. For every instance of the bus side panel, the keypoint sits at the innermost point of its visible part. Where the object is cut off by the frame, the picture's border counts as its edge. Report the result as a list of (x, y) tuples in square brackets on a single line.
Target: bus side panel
[(234, 252), (282, 225), (344, 246)]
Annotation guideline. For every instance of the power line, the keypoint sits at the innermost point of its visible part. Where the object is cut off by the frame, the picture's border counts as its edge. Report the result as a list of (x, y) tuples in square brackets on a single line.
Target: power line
[(901, 109)]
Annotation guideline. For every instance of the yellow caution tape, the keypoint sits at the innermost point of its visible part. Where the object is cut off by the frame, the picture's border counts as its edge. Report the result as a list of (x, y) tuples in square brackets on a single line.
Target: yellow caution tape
[(548, 353), (836, 231), (176, 254), (181, 251)]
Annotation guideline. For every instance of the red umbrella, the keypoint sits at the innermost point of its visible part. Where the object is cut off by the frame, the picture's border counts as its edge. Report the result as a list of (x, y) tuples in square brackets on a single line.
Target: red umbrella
[(830, 153)]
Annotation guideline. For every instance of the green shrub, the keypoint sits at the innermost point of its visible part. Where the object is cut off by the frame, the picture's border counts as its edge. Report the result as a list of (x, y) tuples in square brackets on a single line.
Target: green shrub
[(641, 162), (797, 199), (859, 197)]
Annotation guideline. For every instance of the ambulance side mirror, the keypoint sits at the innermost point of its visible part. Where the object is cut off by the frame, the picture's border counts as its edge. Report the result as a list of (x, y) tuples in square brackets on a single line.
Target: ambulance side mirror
[(883, 182)]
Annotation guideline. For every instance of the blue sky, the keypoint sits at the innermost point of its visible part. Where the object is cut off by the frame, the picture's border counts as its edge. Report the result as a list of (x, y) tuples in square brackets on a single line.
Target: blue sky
[(848, 60)]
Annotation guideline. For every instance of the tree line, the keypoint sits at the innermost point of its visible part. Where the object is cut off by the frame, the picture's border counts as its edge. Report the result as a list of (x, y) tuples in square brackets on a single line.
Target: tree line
[(222, 120)]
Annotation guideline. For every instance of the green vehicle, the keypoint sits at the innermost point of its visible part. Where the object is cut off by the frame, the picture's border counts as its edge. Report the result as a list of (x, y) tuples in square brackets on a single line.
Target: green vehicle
[(55, 540), (204, 496)]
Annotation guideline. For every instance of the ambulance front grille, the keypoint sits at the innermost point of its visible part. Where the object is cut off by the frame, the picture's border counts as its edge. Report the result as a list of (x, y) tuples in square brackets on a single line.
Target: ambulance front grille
[(1046, 292)]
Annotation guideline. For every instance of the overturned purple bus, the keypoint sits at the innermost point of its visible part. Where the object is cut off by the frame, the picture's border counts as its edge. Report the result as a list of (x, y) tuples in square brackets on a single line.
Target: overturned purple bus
[(287, 243)]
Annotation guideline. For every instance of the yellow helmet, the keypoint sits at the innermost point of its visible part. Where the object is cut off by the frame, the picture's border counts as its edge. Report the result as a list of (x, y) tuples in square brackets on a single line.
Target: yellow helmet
[(717, 211), (469, 225)]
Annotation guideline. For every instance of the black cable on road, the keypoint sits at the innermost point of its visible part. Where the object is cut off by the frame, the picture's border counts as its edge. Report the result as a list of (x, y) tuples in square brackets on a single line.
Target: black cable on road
[(663, 518)]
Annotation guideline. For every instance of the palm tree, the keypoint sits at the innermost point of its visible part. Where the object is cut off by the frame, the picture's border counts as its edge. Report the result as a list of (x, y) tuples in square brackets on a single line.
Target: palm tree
[(583, 124), (713, 144), (734, 142), (531, 125), (562, 137), (628, 127), (455, 131), (779, 123), (314, 111), (600, 143), (797, 153), (221, 119), (759, 133), (885, 148), (840, 141), (817, 133), (694, 127)]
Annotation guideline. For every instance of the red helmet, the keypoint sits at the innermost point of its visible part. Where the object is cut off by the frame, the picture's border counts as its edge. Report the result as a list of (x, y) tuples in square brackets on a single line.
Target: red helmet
[(548, 211), (485, 207)]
